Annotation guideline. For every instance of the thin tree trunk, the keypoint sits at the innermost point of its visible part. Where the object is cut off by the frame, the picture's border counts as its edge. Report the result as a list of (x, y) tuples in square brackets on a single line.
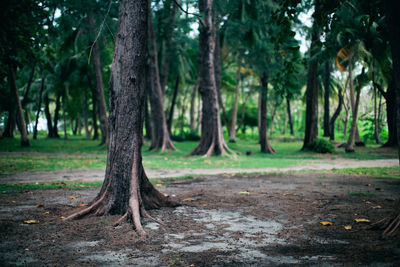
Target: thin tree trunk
[(173, 102), (311, 129), (289, 113), (56, 114), (147, 119), (271, 126), (10, 126), (102, 108), (168, 47), (25, 99), (126, 190), (64, 115), (212, 140), (48, 116), (262, 131), (85, 114), (376, 130), (354, 104), (94, 108), (39, 106), (193, 107), (20, 113), (232, 132), (337, 111), (327, 76), (243, 110), (160, 139)]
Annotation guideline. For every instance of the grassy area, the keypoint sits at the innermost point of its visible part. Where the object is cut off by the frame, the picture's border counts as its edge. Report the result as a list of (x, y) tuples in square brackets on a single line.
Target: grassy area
[(383, 172), (53, 154)]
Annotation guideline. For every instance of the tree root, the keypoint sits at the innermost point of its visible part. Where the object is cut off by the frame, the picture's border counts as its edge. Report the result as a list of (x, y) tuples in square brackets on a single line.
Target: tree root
[(390, 225)]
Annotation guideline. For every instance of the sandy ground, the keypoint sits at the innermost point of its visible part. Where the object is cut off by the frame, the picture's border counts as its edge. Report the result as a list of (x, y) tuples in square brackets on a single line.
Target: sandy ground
[(231, 220), (98, 174)]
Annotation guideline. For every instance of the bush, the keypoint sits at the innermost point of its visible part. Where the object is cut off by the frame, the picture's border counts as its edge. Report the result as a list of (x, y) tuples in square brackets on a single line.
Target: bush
[(321, 146)]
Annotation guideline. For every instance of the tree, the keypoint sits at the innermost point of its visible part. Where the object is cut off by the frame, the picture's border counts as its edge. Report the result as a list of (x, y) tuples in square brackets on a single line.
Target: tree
[(126, 189), (212, 140), (262, 131), (232, 131)]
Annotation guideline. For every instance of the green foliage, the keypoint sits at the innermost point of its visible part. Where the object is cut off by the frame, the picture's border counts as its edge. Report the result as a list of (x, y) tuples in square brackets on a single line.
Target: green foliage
[(321, 145)]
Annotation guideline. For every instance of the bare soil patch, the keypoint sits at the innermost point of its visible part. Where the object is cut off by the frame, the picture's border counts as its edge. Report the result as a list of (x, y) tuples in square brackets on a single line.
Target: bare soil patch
[(232, 220)]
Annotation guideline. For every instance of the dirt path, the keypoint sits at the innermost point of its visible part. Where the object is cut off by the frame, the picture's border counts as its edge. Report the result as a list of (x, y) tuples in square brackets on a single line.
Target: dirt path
[(98, 174), (231, 220)]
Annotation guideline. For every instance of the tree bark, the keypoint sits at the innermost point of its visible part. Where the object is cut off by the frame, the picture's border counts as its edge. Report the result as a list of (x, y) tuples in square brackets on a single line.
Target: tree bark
[(54, 133), (327, 81), (193, 106), (337, 112), (211, 140), (390, 96), (376, 130), (262, 131), (173, 102), (126, 190), (48, 116), (160, 139), (168, 47), (94, 108), (85, 114), (354, 104), (311, 129), (17, 101), (101, 102), (39, 107), (64, 114), (232, 132), (10, 126), (289, 112)]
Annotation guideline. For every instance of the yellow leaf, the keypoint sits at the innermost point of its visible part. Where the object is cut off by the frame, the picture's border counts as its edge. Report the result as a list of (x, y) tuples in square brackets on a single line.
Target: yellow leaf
[(83, 204), (160, 185), (46, 212), (166, 195), (62, 217), (361, 220), (348, 227), (285, 194), (39, 205), (31, 221), (244, 193), (188, 199), (376, 207), (73, 197), (282, 53), (367, 202), (325, 223)]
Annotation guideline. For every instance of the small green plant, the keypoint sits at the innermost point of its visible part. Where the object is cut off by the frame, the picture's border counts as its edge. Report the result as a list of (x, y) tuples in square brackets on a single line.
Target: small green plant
[(321, 146), (361, 194)]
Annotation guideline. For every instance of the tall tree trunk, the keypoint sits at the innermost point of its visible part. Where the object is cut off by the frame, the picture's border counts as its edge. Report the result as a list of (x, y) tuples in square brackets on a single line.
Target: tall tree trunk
[(126, 189), (85, 114), (262, 130), (243, 110), (391, 108), (217, 74), (39, 106), (17, 101), (289, 113), (337, 111), (311, 129), (48, 116), (376, 130), (54, 133), (232, 132), (173, 102), (94, 108), (168, 49), (212, 140), (101, 102), (25, 99), (271, 125), (327, 81), (193, 107), (147, 119), (64, 114), (354, 104), (160, 139), (10, 126)]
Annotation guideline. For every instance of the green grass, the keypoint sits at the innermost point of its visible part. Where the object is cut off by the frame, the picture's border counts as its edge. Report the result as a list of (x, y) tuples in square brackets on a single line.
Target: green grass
[(77, 152), (361, 194), (382, 172)]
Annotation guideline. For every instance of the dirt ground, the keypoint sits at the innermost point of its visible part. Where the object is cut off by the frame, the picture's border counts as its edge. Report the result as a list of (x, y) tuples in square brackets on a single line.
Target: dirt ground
[(225, 220)]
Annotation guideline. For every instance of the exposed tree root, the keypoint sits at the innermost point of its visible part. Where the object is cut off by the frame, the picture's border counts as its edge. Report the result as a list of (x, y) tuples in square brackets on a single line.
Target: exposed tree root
[(390, 225)]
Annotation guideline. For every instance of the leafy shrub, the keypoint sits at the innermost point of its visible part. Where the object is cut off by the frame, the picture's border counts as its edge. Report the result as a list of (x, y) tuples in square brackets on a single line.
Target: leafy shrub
[(321, 146)]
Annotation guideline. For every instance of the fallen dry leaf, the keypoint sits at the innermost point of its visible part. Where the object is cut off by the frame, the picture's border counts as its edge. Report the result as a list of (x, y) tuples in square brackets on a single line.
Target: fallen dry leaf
[(31, 221), (40, 205), (376, 207), (188, 199), (358, 220), (73, 197), (325, 223), (166, 195), (244, 193), (348, 227), (286, 194), (83, 204), (46, 212), (62, 217)]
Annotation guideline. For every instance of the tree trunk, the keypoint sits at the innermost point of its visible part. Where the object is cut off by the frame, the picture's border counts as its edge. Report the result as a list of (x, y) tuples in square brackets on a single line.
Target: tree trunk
[(54, 133), (354, 105), (376, 130), (147, 119), (64, 114), (94, 108), (171, 110), (193, 107), (232, 132), (168, 49), (311, 129), (85, 114), (212, 140), (289, 113), (327, 76), (126, 190), (262, 131), (337, 112), (102, 108), (10, 126), (243, 110), (17, 101), (39, 107), (25, 99), (48, 116), (160, 139), (391, 115)]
